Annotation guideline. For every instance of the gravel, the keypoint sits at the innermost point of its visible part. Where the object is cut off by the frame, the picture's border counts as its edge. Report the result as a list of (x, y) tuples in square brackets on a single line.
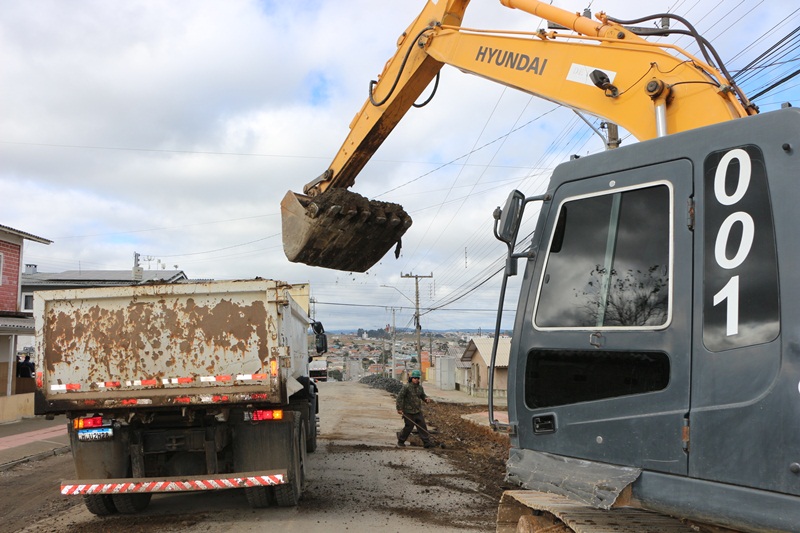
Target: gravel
[(380, 382)]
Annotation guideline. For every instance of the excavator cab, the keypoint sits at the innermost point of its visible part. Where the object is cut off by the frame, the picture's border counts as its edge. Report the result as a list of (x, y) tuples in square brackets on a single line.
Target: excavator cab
[(654, 349)]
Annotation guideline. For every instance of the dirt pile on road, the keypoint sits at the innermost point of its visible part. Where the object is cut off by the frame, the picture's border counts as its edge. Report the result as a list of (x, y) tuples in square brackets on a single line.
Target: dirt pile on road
[(474, 448)]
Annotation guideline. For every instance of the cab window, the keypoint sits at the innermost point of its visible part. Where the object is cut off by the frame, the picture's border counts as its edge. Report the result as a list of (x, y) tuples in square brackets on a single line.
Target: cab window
[(609, 262)]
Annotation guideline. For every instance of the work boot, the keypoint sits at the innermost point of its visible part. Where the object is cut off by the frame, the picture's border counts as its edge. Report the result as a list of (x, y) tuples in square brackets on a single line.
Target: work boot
[(428, 445), (399, 441)]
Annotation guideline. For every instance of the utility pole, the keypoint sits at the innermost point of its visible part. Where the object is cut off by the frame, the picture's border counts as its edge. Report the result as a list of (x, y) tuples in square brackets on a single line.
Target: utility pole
[(430, 347), (416, 314), (394, 341)]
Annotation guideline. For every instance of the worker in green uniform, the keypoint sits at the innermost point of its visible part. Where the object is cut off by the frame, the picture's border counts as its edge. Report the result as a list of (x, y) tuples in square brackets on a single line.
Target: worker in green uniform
[(409, 405)]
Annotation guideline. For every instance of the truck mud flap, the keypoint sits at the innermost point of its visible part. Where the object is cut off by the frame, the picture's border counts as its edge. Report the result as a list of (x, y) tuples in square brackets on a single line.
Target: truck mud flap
[(538, 509), (174, 484)]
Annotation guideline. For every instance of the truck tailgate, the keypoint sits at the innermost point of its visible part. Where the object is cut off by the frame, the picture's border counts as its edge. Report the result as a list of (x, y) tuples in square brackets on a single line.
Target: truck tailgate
[(167, 344)]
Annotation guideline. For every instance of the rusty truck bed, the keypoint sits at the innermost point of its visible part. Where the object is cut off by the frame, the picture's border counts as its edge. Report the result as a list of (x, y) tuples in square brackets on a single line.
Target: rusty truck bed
[(168, 344)]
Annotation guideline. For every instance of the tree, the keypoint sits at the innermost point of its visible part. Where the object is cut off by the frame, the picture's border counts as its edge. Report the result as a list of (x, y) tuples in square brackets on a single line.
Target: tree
[(378, 334), (635, 299), (335, 374)]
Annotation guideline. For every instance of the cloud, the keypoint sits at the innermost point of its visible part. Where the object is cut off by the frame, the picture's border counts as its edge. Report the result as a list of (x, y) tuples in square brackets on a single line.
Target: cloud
[(174, 129)]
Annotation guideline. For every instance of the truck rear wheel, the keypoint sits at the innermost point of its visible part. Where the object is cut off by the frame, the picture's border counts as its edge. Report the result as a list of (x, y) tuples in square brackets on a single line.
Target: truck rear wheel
[(288, 494), (131, 503), (260, 497), (99, 504), (311, 441)]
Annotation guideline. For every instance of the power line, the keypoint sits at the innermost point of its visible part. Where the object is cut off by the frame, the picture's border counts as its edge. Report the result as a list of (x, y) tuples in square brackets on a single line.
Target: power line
[(466, 155), (376, 306), (157, 150), (165, 228), (220, 249)]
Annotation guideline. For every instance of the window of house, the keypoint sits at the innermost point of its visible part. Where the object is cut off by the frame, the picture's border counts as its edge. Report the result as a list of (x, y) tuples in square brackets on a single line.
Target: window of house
[(27, 302), (1, 268)]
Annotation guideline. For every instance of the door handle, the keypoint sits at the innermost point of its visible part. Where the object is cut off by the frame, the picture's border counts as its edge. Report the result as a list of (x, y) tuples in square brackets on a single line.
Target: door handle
[(544, 424)]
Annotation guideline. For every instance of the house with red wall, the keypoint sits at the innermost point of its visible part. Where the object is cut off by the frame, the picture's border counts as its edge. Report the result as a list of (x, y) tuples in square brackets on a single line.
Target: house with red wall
[(13, 321)]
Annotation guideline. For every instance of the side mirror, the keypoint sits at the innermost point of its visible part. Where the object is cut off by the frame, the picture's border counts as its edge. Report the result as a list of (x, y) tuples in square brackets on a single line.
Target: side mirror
[(507, 221), (320, 339), (321, 343)]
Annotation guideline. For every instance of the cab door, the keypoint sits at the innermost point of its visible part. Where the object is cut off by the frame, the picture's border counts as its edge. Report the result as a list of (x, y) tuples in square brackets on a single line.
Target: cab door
[(605, 336)]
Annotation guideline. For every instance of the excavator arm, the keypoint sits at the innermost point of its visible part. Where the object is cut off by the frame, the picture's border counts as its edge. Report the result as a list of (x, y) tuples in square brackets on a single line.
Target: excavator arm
[(332, 227), (604, 69)]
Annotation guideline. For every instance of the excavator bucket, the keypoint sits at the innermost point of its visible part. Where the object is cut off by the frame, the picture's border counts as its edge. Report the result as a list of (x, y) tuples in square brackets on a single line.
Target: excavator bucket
[(340, 229)]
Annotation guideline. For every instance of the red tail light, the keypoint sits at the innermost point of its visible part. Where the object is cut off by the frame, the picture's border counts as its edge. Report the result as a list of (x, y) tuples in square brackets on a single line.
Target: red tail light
[(263, 414), (88, 422)]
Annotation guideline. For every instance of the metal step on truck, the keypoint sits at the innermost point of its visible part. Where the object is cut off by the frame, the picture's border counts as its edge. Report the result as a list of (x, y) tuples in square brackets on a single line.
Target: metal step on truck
[(180, 387)]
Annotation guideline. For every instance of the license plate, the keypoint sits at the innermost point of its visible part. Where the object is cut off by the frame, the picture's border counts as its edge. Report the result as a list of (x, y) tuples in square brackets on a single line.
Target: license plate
[(96, 434)]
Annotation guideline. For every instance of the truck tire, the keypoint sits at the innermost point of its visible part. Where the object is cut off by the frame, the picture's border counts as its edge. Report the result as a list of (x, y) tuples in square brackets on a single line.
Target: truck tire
[(260, 497), (99, 504), (288, 494), (303, 458), (131, 503), (311, 441)]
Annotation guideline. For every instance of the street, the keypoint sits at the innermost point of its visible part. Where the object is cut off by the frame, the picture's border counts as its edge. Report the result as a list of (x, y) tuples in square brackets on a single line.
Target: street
[(357, 480)]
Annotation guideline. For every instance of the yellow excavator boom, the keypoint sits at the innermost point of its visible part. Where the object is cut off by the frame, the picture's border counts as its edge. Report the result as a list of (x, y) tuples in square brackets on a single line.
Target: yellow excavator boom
[(604, 69)]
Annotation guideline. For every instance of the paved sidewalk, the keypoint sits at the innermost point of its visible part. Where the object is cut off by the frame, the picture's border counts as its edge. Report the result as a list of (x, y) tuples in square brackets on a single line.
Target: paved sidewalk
[(455, 396), (32, 438)]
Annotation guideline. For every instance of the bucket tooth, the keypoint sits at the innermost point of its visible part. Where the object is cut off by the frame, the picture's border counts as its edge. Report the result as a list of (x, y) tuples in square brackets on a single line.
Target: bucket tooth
[(312, 210)]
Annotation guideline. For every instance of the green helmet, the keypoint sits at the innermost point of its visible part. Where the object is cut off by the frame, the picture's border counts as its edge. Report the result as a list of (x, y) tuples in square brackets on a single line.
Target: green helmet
[(416, 374)]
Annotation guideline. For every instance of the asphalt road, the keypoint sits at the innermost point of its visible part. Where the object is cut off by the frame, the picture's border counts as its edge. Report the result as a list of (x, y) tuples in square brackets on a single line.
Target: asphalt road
[(357, 480)]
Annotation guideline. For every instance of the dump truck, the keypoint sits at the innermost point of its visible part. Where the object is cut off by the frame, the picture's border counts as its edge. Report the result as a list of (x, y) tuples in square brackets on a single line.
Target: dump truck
[(318, 370), (179, 387), (654, 367)]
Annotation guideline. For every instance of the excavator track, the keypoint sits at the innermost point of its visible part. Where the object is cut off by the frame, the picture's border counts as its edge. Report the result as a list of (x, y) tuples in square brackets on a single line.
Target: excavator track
[(531, 511)]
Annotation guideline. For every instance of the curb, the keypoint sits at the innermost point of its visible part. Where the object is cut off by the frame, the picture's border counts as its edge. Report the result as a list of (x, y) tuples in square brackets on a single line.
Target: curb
[(36, 457)]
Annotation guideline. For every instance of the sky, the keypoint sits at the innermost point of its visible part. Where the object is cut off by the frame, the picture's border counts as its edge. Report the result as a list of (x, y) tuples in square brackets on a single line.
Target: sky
[(173, 130)]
